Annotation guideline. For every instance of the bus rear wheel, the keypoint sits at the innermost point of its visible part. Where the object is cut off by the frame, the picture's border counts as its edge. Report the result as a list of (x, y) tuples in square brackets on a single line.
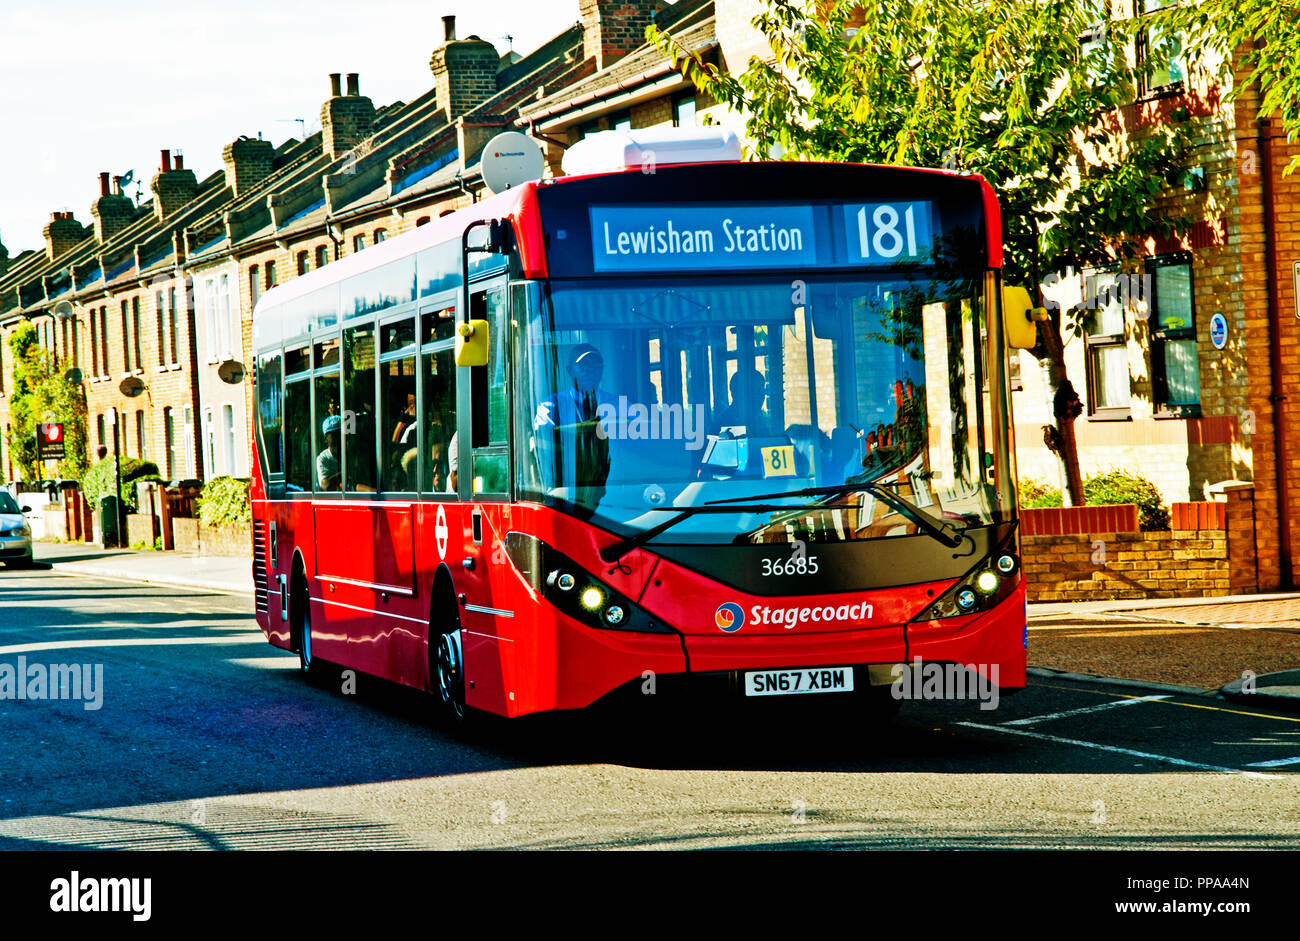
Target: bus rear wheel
[(311, 668), (449, 677)]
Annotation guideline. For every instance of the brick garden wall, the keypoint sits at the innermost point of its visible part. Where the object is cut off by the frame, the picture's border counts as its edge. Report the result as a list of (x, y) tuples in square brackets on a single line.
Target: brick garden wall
[(1173, 564)]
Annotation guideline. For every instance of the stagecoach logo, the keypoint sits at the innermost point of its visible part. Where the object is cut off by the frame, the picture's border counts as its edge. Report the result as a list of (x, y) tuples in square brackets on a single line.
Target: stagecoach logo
[(440, 532), (730, 617)]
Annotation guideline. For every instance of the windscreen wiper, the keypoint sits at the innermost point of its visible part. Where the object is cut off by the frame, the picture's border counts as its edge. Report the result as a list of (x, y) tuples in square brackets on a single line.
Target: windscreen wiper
[(946, 533), (616, 551)]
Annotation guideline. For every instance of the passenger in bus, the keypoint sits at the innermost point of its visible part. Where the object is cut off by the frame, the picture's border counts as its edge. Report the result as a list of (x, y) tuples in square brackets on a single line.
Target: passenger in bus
[(404, 433), (748, 391), (453, 461), (329, 475)]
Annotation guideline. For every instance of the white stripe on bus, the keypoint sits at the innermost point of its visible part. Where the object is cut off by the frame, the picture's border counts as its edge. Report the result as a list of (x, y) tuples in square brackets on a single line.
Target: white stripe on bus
[(386, 614)]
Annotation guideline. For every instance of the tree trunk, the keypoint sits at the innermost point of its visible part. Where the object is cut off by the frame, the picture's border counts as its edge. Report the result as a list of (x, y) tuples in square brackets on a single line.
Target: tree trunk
[(1066, 407)]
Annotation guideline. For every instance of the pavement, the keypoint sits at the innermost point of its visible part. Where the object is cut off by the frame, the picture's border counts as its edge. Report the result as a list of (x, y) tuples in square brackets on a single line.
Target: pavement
[(1242, 647)]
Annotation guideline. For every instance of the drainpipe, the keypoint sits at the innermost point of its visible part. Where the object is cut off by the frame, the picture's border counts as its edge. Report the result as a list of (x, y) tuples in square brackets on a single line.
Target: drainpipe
[(1277, 398)]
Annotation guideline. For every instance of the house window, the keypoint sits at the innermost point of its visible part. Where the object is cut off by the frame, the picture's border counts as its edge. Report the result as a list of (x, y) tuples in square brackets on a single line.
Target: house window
[(210, 303), (172, 340), (228, 435), (126, 338), (1107, 354), (135, 328), (380, 235), (209, 445), (621, 122), (423, 220), (254, 286), (139, 434), (99, 422), (358, 242), (1175, 373), (189, 442), (228, 316), (94, 344), (684, 112), (103, 341), (302, 263), (169, 443), (270, 275), (322, 256), (160, 308), (1160, 56)]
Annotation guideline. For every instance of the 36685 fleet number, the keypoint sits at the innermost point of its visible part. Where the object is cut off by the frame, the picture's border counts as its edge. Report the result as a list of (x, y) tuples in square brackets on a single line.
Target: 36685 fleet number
[(795, 565)]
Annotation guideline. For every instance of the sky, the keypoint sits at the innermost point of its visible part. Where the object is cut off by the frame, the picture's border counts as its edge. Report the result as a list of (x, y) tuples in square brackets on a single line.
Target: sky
[(88, 86)]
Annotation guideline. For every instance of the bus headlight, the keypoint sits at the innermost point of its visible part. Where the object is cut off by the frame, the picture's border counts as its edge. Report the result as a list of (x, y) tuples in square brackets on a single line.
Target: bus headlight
[(982, 588), (574, 591)]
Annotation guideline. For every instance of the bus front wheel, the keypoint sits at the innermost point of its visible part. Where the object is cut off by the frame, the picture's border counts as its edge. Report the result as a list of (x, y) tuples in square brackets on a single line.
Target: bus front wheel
[(449, 676)]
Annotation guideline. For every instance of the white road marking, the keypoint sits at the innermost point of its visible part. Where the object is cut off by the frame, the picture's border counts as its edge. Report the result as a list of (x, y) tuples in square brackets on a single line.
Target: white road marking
[(1085, 709), (1132, 753), (250, 637), (1275, 763)]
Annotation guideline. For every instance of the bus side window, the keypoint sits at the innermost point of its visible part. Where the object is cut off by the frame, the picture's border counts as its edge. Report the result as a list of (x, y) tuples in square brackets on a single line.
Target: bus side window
[(330, 423), (439, 414), (359, 408), (298, 454), (399, 412), (489, 382)]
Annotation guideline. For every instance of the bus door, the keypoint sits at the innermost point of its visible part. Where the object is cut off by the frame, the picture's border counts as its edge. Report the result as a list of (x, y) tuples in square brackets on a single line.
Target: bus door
[(483, 481)]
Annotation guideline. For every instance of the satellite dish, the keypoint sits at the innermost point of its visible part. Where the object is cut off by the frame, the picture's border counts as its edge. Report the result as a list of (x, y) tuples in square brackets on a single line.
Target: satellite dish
[(231, 371), (73, 376), (131, 386), (63, 310), (509, 159)]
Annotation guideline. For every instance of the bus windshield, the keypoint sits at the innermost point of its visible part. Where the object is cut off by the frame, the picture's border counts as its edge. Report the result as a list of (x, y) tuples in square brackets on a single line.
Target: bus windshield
[(639, 398)]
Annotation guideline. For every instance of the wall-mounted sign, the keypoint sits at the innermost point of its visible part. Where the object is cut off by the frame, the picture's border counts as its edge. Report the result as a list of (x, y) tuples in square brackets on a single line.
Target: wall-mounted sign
[(131, 386), (1295, 275), (49, 442), (73, 376), (231, 371), (1218, 331)]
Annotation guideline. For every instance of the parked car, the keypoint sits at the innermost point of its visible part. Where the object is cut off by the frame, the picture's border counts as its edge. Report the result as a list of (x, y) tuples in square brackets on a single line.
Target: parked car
[(15, 533)]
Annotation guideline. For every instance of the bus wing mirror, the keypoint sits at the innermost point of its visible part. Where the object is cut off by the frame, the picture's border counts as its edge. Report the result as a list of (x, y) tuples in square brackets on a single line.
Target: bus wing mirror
[(1021, 317), (472, 343)]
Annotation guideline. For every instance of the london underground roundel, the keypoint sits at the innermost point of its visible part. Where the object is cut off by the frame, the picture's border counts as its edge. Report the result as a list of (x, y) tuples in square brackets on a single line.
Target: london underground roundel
[(730, 617)]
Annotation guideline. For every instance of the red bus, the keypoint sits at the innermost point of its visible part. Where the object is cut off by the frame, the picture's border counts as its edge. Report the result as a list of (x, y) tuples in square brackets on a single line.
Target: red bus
[(723, 425)]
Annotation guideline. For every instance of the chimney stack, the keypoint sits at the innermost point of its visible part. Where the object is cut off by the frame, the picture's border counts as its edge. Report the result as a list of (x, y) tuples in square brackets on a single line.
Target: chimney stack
[(172, 187), (345, 121), (464, 71), (248, 163), (62, 233), (112, 212), (613, 28)]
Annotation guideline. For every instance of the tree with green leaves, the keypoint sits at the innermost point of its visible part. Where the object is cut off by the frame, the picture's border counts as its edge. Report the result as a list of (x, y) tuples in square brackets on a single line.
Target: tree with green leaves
[(1263, 34), (42, 394), (1003, 88)]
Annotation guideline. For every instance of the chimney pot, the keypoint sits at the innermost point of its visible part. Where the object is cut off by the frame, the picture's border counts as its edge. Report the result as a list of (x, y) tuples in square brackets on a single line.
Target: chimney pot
[(166, 161), (449, 28), (180, 161), (336, 89), (103, 184), (354, 84)]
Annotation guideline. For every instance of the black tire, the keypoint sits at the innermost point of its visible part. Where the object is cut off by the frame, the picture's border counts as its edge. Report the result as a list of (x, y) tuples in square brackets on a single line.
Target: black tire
[(311, 668), (447, 674)]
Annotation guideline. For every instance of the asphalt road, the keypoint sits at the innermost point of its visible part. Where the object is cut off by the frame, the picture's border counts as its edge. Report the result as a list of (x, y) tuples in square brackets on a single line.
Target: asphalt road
[(207, 738)]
